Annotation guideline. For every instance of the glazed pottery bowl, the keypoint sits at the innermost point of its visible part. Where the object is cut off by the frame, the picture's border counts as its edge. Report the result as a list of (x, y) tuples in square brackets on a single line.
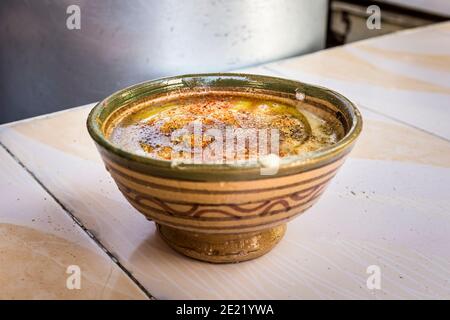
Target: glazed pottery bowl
[(226, 212)]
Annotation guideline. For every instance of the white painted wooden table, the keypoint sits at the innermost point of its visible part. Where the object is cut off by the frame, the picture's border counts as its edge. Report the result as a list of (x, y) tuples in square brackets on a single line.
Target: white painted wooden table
[(389, 206)]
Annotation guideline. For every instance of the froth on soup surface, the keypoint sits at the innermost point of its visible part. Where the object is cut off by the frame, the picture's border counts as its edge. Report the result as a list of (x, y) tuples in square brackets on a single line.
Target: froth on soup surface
[(219, 127)]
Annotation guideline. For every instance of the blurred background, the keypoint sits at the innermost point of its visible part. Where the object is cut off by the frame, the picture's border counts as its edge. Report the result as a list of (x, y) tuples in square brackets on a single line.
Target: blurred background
[(46, 67)]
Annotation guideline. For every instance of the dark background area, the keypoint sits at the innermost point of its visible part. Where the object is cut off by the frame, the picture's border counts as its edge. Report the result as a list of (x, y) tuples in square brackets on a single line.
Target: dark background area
[(45, 67)]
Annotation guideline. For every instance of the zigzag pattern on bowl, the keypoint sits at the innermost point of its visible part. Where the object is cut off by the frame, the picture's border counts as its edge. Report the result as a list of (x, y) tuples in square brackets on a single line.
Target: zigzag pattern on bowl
[(223, 207)]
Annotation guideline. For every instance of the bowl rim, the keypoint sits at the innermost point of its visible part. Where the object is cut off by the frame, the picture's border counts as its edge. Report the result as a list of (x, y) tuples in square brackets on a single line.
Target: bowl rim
[(297, 163)]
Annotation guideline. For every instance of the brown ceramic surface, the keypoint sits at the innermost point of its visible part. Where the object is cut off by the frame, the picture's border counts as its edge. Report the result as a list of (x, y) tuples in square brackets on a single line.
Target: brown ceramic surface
[(224, 212)]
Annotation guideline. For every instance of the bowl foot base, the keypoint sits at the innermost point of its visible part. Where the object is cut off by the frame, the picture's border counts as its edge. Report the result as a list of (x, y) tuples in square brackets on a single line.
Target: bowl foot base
[(222, 248)]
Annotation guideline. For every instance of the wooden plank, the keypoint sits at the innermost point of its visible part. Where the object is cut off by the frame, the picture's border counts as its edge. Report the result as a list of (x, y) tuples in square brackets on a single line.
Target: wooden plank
[(39, 241), (404, 75), (387, 207)]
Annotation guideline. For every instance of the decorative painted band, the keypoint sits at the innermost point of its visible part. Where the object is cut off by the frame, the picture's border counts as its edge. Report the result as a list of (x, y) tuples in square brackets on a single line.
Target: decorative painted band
[(218, 187), (223, 207), (249, 205), (248, 199), (234, 226), (224, 212)]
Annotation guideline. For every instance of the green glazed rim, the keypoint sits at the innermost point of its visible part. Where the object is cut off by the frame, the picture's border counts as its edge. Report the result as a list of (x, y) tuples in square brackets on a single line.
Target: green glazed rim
[(246, 170)]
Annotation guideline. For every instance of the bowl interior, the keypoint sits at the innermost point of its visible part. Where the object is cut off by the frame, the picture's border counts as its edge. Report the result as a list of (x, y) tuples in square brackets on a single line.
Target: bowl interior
[(315, 98)]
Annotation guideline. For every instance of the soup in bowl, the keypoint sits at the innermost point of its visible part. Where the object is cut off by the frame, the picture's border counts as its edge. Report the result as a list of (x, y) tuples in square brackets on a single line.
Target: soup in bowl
[(221, 162)]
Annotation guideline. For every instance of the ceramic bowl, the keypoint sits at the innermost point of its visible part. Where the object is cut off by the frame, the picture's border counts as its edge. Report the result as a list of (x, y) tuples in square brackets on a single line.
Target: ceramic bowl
[(224, 212)]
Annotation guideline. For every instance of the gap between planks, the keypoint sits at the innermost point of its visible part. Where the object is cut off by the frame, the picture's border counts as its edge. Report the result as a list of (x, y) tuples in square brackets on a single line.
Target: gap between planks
[(79, 223)]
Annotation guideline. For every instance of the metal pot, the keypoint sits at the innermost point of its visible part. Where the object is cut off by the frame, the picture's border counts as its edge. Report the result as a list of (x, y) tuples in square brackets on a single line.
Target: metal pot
[(46, 66)]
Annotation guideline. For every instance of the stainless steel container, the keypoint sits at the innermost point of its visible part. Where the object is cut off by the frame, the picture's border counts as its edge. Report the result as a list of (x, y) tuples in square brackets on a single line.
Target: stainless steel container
[(46, 67)]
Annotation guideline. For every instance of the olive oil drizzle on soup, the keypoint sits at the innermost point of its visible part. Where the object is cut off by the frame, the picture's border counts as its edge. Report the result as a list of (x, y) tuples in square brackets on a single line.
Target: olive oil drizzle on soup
[(180, 128)]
